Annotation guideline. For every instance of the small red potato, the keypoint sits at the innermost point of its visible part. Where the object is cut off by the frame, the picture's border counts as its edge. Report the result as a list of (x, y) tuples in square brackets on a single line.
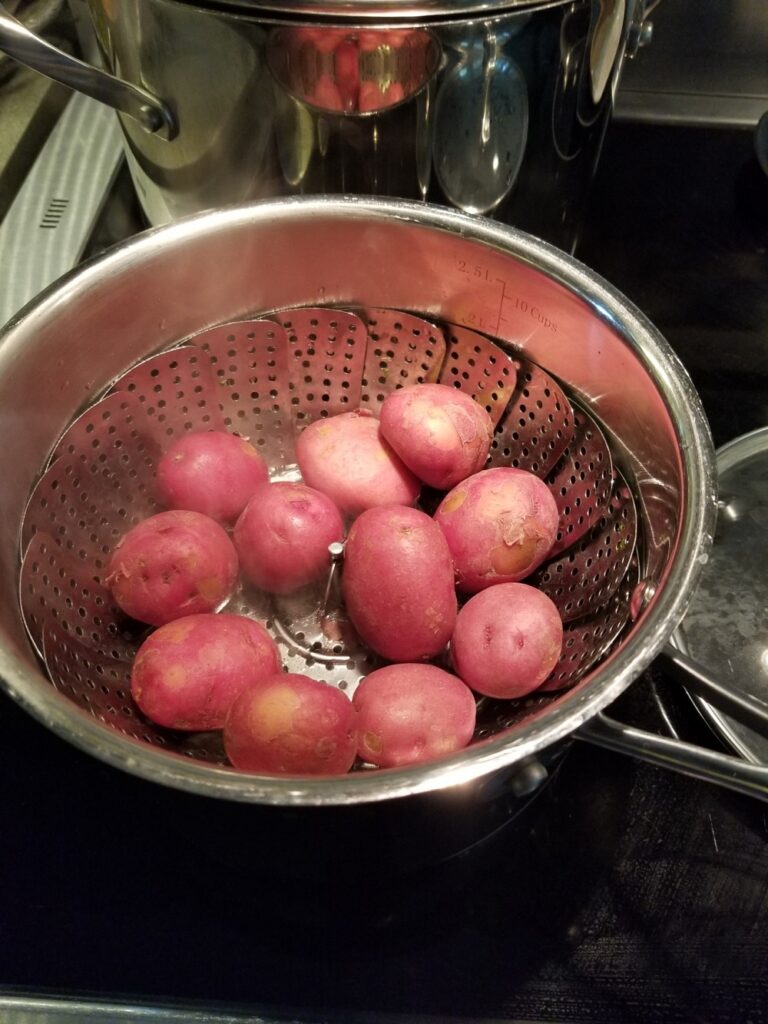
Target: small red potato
[(441, 434), (500, 525), (412, 713), (282, 537), (187, 673), (398, 583), (171, 565), (346, 458), (211, 472), (507, 640), (294, 725)]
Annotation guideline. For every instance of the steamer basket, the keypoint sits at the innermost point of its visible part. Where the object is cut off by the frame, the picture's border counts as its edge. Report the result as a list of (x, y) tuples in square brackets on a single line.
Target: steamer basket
[(540, 306)]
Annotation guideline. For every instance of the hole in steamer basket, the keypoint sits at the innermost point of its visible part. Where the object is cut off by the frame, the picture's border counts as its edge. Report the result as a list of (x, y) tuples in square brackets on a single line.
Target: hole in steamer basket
[(267, 380)]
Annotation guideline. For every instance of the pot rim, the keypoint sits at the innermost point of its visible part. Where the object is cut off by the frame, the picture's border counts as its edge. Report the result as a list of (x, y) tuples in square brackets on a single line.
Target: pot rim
[(369, 13), (560, 720)]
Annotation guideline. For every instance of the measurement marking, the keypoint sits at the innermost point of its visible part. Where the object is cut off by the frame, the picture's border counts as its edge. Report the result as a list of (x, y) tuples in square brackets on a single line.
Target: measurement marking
[(714, 837), (503, 284), (54, 212)]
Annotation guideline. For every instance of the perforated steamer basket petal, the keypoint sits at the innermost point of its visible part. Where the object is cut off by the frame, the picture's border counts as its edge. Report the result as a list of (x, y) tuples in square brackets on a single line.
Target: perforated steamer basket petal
[(267, 379), (265, 376)]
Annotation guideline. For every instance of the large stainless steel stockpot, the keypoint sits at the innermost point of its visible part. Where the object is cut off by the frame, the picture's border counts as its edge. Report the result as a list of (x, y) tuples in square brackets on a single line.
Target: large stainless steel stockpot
[(492, 106), (63, 350)]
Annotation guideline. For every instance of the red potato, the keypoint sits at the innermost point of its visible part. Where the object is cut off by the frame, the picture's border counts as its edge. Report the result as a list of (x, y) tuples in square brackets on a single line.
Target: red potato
[(282, 537), (500, 525), (398, 583), (412, 713), (507, 640), (294, 725), (346, 458), (170, 565), (211, 472), (441, 434), (187, 674)]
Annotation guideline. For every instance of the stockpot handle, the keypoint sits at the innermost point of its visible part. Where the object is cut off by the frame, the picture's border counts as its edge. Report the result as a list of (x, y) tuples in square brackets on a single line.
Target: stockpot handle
[(699, 762), (22, 45)]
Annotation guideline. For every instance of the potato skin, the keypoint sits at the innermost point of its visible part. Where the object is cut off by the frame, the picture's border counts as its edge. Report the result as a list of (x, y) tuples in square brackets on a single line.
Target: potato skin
[(441, 434), (212, 472), (507, 640), (282, 537), (412, 713), (171, 565), (291, 724), (398, 583), (187, 673), (500, 525), (346, 458)]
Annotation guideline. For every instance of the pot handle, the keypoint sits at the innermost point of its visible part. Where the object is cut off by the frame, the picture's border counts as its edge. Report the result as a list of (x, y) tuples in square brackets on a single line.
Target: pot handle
[(25, 47), (698, 762), (687, 758), (748, 710)]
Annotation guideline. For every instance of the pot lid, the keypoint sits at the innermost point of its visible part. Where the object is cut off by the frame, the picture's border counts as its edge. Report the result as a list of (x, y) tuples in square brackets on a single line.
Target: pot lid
[(726, 626), (371, 11)]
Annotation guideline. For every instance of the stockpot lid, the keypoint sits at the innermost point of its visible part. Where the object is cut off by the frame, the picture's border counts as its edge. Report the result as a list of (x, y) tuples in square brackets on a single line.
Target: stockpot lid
[(726, 625), (378, 11)]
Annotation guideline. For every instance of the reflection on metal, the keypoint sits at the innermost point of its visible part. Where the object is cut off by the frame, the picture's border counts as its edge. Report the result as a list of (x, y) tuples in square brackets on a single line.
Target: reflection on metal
[(141, 106), (604, 46), (698, 762), (493, 114), (481, 124), (726, 627), (42, 1010), (342, 71)]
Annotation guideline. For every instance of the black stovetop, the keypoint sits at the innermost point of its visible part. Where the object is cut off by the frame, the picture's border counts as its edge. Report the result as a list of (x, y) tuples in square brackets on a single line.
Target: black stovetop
[(623, 894)]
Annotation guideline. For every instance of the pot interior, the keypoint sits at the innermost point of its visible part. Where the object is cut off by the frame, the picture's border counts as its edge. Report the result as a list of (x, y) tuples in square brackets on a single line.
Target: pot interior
[(66, 348)]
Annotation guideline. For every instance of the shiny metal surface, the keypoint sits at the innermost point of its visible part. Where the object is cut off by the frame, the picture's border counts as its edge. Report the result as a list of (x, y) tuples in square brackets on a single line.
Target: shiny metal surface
[(581, 481), (726, 628), (583, 578), (368, 253), (698, 762), (492, 108), (335, 71), (267, 380), (29, 1009), (367, 11), (481, 122), (35, 17), (17, 41), (537, 426), (745, 709)]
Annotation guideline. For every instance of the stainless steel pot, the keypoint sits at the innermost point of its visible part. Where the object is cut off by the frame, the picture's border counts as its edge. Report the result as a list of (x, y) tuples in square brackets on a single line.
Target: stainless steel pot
[(63, 350), (492, 107)]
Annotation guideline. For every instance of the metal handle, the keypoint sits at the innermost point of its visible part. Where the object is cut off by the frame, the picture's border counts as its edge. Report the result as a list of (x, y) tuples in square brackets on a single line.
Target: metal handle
[(21, 44), (697, 762), (748, 710)]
